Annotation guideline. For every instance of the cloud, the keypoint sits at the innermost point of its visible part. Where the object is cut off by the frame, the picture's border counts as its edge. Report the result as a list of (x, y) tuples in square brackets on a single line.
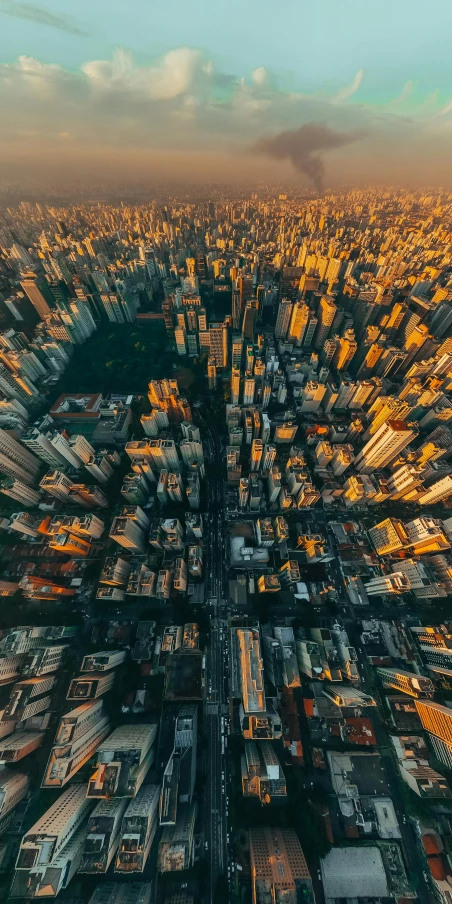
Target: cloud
[(32, 13), (405, 93), (180, 107), (172, 75), (260, 75), (348, 91), (447, 108), (304, 148)]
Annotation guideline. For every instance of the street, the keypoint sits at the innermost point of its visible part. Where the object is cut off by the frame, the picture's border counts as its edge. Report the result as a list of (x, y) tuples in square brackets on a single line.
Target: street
[(216, 709)]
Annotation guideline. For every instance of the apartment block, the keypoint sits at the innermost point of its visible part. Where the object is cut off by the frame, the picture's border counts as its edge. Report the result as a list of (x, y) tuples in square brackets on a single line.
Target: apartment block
[(138, 829), (278, 866), (262, 773), (122, 762), (176, 847), (103, 661), (90, 686), (407, 682), (50, 851), (19, 744), (79, 734), (28, 698), (103, 836)]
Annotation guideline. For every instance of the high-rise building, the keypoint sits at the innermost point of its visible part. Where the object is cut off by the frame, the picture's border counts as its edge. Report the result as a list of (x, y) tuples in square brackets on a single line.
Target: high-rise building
[(16, 461), (437, 722), (387, 583), (278, 867), (38, 292), (407, 682), (19, 491), (298, 323), (176, 847), (262, 774), (103, 836), (122, 762), (78, 736), (283, 318), (138, 829), (249, 319), (440, 490), (128, 534), (346, 350), (218, 333), (435, 644), (383, 447), (326, 312), (259, 719), (50, 851), (389, 536)]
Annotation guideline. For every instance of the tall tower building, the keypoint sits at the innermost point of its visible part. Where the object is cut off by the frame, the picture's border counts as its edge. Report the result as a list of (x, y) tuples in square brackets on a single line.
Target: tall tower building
[(249, 319), (326, 312), (283, 318), (437, 722), (346, 351), (391, 438), (298, 322), (218, 333), (16, 461), (235, 386), (278, 867), (37, 290)]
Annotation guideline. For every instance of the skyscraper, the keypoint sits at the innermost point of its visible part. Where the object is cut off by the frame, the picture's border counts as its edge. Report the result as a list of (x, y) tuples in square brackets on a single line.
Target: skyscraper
[(278, 866), (437, 722), (325, 314), (390, 439)]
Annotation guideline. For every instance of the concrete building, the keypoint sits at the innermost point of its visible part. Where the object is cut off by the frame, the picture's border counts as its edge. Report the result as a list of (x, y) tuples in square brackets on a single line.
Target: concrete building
[(408, 682), (90, 686), (437, 722), (384, 446), (14, 786), (28, 698), (50, 851), (257, 715), (176, 847), (128, 534), (19, 744), (103, 836), (278, 867), (262, 773), (413, 761), (138, 829), (280, 657), (44, 660), (103, 661), (78, 736), (347, 696), (122, 762), (435, 644)]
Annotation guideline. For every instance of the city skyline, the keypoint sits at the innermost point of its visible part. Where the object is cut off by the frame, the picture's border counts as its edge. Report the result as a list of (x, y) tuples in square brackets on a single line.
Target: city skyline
[(167, 92)]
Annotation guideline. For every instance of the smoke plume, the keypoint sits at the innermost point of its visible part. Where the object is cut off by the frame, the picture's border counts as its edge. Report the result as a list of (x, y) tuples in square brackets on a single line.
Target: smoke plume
[(304, 148)]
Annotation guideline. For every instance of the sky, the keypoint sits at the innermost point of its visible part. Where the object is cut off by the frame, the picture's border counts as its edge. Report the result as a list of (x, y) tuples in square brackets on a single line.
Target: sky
[(204, 90)]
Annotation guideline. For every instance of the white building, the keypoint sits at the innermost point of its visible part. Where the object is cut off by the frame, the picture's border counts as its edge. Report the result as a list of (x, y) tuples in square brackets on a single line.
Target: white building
[(78, 736), (50, 851)]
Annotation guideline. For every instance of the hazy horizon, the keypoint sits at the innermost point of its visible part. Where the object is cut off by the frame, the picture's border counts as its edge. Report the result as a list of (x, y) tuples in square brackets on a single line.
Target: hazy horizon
[(91, 91)]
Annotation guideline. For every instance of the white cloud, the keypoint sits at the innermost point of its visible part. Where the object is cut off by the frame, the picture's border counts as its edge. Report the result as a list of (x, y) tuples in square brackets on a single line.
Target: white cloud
[(170, 77), (180, 103), (260, 76), (405, 93), (348, 91)]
